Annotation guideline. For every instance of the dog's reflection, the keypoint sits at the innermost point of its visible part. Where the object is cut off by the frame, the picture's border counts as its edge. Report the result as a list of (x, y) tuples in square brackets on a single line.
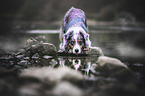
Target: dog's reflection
[(82, 64), (76, 63)]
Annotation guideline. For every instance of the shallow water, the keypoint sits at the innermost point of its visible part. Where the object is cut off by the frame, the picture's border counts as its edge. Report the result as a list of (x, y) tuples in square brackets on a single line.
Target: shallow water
[(122, 43)]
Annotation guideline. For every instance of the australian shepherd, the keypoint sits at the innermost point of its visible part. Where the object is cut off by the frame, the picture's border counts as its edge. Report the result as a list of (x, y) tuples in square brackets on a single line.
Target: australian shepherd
[(74, 35)]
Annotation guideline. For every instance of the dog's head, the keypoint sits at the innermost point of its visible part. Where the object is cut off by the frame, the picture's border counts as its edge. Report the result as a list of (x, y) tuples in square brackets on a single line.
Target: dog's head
[(76, 40)]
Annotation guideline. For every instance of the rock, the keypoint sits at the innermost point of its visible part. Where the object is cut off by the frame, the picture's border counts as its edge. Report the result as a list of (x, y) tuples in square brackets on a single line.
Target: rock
[(35, 40), (20, 52), (91, 51), (41, 49), (95, 51), (50, 81), (112, 67), (36, 46), (53, 75), (103, 60), (66, 89), (30, 90)]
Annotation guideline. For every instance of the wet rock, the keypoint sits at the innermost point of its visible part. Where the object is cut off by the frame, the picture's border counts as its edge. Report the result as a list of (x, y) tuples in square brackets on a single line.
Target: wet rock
[(66, 89), (53, 75), (95, 51), (36, 47), (114, 68), (42, 49), (92, 51), (31, 89), (36, 40), (20, 53), (103, 60), (48, 81)]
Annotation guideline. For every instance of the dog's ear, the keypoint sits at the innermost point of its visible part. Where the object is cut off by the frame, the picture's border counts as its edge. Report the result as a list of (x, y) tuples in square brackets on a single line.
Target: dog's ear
[(86, 40)]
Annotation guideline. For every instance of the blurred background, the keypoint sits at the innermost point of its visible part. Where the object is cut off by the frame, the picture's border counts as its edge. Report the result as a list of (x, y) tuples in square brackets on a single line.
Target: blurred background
[(52, 10), (48, 11)]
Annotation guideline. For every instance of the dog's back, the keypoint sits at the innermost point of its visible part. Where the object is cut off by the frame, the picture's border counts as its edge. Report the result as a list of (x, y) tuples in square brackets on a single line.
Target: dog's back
[(74, 17)]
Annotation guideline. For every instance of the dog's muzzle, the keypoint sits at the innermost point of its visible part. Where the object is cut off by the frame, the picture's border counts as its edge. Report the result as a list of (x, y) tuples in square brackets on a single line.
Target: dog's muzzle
[(77, 49)]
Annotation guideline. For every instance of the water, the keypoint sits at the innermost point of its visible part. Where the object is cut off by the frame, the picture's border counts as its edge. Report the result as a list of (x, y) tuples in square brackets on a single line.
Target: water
[(124, 43)]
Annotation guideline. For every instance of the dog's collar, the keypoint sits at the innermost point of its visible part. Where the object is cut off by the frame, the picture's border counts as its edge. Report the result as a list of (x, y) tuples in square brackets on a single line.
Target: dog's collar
[(76, 22)]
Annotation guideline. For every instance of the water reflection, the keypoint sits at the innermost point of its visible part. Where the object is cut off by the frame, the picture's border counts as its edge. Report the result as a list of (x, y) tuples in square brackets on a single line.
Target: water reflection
[(84, 64)]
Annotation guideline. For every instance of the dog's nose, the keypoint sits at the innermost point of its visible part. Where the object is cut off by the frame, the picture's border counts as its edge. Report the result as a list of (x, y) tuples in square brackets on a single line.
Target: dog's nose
[(76, 50)]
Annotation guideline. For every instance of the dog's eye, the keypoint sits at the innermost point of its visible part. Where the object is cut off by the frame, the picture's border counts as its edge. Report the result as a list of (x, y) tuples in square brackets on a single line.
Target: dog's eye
[(80, 42), (72, 42)]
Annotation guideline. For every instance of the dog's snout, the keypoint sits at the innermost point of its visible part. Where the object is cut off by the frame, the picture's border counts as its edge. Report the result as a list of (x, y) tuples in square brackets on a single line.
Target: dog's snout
[(76, 50)]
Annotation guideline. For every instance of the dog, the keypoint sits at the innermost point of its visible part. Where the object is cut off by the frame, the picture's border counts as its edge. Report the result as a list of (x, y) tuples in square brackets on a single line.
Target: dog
[(74, 35)]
